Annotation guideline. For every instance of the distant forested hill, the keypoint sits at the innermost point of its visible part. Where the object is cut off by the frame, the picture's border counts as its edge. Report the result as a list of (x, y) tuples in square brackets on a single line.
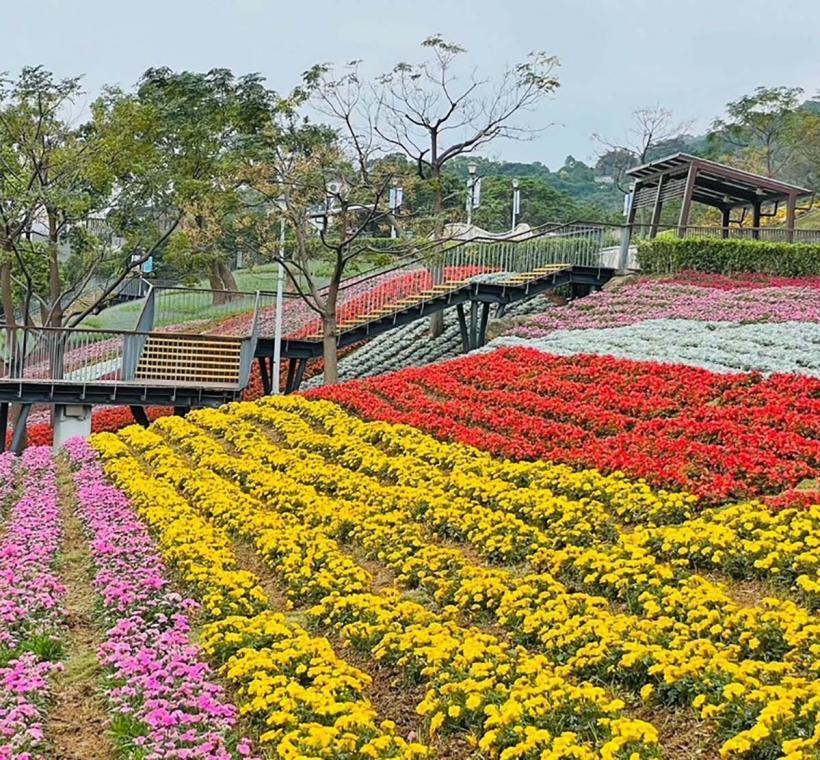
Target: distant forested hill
[(771, 131)]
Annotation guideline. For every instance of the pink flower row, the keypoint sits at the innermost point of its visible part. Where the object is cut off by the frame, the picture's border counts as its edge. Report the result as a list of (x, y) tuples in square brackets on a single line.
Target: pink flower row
[(746, 280), (655, 299), (158, 680), (8, 467), (31, 612), (24, 691)]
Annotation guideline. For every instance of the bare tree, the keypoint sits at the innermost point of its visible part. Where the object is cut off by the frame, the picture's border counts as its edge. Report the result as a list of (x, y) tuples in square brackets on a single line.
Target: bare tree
[(328, 186), (432, 115), (649, 127)]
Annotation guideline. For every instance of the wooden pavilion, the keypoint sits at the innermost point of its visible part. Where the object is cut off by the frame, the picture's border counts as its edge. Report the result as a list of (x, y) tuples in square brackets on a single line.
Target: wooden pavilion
[(688, 178)]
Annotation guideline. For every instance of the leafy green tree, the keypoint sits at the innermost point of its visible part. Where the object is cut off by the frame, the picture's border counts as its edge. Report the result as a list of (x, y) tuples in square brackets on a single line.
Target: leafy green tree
[(540, 204), (44, 188), (181, 139), (763, 126), (804, 167)]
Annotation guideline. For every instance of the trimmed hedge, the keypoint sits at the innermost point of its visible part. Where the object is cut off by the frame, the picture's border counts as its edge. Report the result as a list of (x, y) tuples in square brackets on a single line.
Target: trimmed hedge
[(667, 255)]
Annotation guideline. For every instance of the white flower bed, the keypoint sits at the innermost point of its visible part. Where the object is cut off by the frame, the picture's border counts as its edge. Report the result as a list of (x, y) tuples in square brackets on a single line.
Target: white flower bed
[(792, 347), (412, 346)]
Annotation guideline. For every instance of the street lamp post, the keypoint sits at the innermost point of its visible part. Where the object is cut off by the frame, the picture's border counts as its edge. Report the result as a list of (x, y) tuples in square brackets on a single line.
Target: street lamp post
[(396, 197), (516, 203), (277, 330), (472, 169)]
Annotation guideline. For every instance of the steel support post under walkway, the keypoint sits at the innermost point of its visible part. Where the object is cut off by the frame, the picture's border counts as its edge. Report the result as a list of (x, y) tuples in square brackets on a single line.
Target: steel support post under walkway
[(140, 417), (462, 323), (474, 334), (4, 425), (482, 326), (296, 372), (19, 436), (267, 386)]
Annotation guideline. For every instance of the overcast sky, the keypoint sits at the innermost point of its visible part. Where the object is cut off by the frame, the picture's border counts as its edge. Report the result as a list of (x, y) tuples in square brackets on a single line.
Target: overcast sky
[(616, 55)]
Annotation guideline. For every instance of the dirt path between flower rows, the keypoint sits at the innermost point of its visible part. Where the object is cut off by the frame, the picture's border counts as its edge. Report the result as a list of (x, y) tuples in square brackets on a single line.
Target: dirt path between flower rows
[(683, 735), (77, 727), (391, 696)]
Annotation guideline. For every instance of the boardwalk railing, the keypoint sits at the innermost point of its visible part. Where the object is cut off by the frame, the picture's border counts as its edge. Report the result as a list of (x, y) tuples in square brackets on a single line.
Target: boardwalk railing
[(733, 232), (237, 313), (420, 278), (70, 355), (576, 244), (176, 305), (79, 355)]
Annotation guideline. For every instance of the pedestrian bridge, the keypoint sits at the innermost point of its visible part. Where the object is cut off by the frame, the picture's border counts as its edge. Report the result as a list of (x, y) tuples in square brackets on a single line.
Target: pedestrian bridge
[(193, 347)]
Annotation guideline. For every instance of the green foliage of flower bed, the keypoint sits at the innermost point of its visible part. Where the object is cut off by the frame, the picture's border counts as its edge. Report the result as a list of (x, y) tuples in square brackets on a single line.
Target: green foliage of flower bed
[(665, 255)]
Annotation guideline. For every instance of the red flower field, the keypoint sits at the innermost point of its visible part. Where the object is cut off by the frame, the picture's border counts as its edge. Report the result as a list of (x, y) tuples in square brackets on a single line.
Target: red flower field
[(719, 436)]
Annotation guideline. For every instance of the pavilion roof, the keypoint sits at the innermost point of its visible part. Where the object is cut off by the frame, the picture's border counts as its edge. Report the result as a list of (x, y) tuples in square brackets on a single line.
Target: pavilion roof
[(715, 184)]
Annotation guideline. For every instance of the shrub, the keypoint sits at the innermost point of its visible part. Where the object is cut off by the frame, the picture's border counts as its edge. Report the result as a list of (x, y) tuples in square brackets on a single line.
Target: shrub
[(666, 255)]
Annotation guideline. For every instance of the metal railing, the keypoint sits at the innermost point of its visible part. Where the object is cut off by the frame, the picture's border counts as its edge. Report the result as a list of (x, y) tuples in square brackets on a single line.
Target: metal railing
[(178, 305), (732, 232), (66, 354), (460, 262), (577, 244), (82, 356)]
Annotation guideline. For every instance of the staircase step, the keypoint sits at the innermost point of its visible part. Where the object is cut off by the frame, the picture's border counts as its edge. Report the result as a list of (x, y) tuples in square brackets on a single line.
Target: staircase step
[(178, 361), (181, 348), (192, 376)]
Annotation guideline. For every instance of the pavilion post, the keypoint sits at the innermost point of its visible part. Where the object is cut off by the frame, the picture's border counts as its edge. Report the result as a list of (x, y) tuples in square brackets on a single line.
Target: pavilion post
[(791, 213), (727, 215), (756, 220), (657, 208), (626, 232), (683, 219)]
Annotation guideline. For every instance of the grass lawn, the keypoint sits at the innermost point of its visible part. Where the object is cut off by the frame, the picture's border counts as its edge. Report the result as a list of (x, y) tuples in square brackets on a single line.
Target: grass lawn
[(175, 308)]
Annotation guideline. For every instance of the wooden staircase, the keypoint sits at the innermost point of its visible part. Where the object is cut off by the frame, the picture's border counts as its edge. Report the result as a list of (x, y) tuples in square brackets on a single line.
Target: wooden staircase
[(416, 299), (524, 278), (183, 359), (395, 307)]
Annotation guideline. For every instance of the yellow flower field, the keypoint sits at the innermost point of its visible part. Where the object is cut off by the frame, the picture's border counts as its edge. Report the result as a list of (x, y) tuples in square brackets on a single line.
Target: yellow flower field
[(537, 612)]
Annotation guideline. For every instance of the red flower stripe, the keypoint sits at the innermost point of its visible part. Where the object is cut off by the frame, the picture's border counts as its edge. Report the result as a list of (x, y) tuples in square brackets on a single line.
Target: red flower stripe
[(720, 436)]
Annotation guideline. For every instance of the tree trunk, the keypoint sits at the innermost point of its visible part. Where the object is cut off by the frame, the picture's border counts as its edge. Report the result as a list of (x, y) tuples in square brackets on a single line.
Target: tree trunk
[(6, 290), (331, 372), (54, 284), (226, 275), (215, 281), (7, 297), (437, 271), (330, 333)]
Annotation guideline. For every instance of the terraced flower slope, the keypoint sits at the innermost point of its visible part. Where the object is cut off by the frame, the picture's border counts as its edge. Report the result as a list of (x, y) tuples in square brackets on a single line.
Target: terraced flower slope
[(719, 436), (431, 568), (703, 297), (528, 610)]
